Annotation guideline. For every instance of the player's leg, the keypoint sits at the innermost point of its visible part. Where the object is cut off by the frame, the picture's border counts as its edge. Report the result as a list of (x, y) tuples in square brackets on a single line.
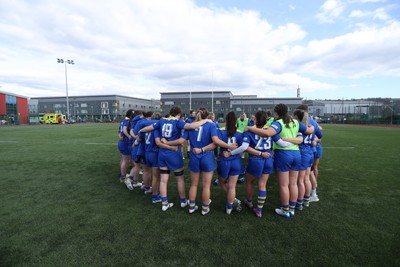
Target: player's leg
[(262, 194), (231, 190), (180, 180), (206, 182), (283, 181), (194, 177), (164, 176), (155, 185)]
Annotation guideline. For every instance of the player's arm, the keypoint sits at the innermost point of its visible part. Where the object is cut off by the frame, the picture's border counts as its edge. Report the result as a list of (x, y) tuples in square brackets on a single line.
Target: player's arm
[(176, 142), (270, 131), (209, 147), (236, 151), (221, 143), (196, 124), (285, 141), (306, 129), (165, 146), (146, 129), (125, 132), (256, 152)]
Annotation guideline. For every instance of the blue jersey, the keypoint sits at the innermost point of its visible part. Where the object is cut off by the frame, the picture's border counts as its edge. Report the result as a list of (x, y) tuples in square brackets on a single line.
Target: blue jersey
[(135, 120), (262, 144), (317, 131), (307, 140), (190, 119), (237, 138), (149, 138), (123, 123), (170, 128), (201, 136)]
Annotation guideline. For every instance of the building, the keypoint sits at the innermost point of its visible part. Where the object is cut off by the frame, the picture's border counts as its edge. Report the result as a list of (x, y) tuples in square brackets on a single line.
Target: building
[(13, 108), (91, 108), (222, 102)]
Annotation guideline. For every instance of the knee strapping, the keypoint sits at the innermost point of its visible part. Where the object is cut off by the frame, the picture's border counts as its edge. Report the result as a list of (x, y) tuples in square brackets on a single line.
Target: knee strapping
[(165, 171), (179, 173)]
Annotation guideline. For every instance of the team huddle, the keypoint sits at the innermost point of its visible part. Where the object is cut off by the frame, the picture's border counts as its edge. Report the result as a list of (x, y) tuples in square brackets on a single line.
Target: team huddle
[(289, 146)]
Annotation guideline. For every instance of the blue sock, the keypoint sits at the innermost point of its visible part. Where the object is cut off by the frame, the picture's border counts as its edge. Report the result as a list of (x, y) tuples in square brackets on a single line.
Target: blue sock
[(204, 206), (192, 204), (292, 205), (299, 202), (164, 201), (183, 199), (229, 205)]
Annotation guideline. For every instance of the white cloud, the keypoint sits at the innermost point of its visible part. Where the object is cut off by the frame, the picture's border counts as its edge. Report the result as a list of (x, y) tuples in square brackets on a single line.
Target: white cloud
[(124, 46), (379, 13), (330, 10), (370, 51), (366, 1)]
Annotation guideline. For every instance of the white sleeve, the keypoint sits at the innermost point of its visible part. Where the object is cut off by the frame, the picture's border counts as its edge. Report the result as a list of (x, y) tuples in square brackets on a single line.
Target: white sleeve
[(284, 143), (240, 149)]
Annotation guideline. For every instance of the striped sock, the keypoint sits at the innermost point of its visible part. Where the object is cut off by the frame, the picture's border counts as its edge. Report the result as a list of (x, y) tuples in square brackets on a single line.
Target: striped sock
[(164, 201), (122, 177), (292, 205), (183, 200), (204, 207), (229, 205), (192, 204), (285, 208), (130, 178), (306, 198), (262, 195), (299, 202)]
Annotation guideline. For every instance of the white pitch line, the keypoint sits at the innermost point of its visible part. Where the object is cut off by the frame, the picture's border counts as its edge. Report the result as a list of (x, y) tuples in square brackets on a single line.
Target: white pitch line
[(339, 147), (109, 144), (8, 141)]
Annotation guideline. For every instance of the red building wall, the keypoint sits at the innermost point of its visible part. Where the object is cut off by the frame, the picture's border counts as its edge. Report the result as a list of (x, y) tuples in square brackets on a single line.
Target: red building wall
[(2, 104), (22, 110)]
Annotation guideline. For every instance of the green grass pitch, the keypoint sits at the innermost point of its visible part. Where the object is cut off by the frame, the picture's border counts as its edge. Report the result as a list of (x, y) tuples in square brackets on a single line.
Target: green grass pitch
[(61, 204)]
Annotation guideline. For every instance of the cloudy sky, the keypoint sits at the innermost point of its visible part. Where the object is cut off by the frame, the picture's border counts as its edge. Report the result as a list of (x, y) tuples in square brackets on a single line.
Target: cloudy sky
[(332, 49)]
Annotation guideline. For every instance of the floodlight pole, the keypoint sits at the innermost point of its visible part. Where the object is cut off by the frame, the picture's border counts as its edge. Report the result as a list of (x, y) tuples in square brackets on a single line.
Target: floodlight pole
[(62, 61)]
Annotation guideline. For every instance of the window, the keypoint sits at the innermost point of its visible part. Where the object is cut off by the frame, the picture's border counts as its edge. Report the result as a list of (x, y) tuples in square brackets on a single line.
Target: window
[(169, 103), (84, 105), (238, 109), (105, 111), (104, 105), (84, 111), (217, 102)]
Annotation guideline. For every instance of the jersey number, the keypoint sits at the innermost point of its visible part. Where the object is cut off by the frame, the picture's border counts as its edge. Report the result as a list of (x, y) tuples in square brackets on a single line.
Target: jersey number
[(263, 143), (200, 131), (167, 130), (148, 136)]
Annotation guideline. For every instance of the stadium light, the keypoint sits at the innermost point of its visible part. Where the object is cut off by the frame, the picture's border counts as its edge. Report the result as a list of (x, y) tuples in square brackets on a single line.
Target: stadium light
[(65, 62)]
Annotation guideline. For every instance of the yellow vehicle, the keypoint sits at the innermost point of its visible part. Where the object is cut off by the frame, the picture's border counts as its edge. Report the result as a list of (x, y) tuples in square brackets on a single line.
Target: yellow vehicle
[(52, 118)]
